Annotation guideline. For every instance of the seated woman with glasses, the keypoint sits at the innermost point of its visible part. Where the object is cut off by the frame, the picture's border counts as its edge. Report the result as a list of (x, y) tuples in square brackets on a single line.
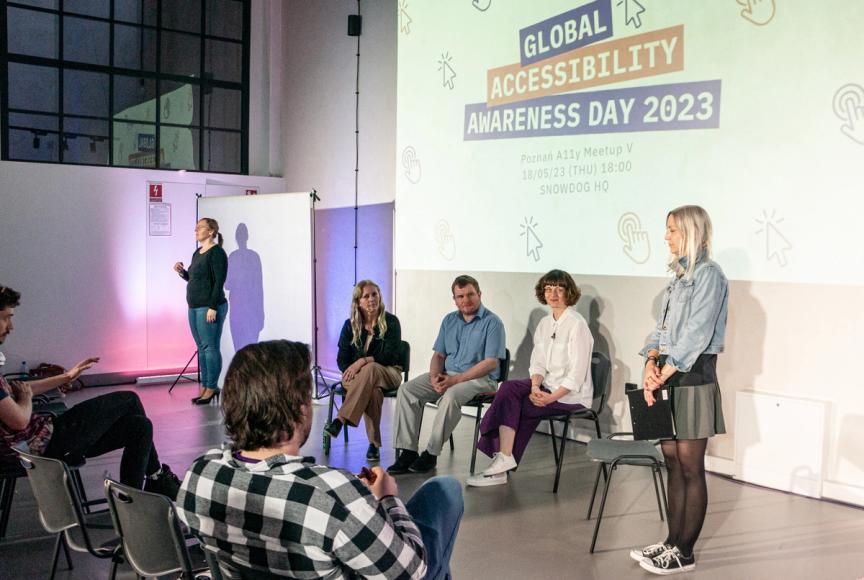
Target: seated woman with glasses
[(560, 381)]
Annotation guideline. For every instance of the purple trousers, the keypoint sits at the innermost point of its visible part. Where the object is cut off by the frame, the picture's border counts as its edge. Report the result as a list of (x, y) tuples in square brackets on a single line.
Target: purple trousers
[(513, 409)]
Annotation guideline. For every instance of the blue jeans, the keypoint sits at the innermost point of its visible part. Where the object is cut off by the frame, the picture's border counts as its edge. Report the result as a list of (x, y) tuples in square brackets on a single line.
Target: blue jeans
[(437, 509), (207, 337)]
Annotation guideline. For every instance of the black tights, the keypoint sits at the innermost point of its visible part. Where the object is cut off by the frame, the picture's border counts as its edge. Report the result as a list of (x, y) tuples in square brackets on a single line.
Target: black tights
[(688, 492)]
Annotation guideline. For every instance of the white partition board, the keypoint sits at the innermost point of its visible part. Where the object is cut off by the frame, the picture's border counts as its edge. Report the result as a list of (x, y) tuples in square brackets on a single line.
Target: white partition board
[(268, 240)]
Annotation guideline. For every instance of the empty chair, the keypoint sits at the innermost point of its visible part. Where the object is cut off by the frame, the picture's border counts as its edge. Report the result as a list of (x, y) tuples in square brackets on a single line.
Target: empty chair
[(614, 452), (60, 511)]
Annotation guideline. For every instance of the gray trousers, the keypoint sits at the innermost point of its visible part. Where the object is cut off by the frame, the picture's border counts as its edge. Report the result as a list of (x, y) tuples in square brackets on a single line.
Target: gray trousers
[(412, 398)]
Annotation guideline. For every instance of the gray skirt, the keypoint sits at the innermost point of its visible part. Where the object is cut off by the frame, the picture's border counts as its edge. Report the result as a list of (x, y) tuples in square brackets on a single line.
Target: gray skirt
[(697, 405)]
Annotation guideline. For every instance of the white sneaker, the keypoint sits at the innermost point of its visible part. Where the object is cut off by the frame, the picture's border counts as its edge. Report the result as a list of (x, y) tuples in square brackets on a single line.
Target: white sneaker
[(500, 464), (481, 480)]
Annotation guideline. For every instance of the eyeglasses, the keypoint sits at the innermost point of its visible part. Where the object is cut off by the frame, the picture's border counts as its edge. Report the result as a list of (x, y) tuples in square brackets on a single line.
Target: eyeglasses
[(554, 290)]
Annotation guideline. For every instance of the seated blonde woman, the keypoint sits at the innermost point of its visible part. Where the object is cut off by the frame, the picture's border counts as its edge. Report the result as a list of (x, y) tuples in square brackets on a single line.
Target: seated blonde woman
[(560, 381), (369, 350)]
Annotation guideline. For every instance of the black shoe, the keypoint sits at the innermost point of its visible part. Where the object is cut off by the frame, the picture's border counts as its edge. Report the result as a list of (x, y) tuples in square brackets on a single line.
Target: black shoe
[(672, 561), (166, 483), (206, 400), (425, 463), (403, 462), (333, 428), (373, 454)]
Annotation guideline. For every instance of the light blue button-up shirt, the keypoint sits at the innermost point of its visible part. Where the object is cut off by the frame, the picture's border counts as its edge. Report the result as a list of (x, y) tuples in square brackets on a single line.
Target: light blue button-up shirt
[(692, 320), (464, 344)]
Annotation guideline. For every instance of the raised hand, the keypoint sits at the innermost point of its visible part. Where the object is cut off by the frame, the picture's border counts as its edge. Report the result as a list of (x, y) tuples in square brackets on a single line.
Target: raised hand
[(82, 366)]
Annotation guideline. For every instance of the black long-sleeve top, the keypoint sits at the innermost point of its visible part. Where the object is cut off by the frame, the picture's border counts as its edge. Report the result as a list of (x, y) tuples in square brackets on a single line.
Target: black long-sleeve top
[(206, 277), (385, 350)]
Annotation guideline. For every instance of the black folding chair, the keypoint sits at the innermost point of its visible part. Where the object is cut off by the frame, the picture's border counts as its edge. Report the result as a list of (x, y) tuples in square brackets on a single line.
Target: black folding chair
[(339, 389), (614, 452), (600, 375)]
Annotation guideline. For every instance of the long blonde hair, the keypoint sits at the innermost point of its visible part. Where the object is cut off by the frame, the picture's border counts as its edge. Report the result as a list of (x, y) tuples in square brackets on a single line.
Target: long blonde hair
[(695, 225), (357, 316)]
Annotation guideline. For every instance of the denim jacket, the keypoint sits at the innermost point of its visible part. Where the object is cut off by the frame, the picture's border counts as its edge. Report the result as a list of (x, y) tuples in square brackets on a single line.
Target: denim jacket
[(692, 320)]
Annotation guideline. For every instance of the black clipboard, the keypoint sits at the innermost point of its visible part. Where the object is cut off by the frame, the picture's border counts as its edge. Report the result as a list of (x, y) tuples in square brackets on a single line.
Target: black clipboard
[(654, 422)]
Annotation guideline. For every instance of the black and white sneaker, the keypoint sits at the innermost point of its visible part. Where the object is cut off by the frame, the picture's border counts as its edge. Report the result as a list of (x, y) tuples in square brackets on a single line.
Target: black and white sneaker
[(649, 552), (671, 561)]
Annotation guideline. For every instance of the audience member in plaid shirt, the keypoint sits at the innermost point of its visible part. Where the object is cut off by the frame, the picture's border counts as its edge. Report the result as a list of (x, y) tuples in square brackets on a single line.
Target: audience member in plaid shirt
[(259, 505)]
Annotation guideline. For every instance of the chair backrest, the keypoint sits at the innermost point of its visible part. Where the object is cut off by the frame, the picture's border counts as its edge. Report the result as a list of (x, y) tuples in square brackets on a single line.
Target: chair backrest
[(51, 483), (405, 357), (600, 375), (504, 366), (149, 528), (58, 502)]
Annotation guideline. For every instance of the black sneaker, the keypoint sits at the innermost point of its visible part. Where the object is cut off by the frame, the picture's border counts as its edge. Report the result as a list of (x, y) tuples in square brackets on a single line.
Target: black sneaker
[(649, 552), (425, 463), (671, 561), (166, 483), (405, 460), (333, 428), (373, 454)]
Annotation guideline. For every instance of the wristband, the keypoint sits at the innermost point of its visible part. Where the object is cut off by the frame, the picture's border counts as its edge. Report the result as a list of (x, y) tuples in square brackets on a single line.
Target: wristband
[(654, 358)]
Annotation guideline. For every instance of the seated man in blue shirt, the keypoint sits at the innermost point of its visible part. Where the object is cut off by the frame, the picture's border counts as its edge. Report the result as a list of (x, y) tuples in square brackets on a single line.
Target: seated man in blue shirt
[(465, 363)]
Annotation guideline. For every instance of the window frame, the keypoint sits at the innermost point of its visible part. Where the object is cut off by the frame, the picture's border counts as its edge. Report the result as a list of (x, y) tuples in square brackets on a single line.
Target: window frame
[(203, 81)]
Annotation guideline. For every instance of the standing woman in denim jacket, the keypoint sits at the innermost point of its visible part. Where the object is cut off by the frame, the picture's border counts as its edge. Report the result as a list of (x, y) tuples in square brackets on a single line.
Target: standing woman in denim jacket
[(682, 354), (208, 307)]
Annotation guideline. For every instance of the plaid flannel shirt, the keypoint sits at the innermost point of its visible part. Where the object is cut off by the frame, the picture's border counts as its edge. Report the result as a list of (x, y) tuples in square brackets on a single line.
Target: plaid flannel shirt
[(298, 520)]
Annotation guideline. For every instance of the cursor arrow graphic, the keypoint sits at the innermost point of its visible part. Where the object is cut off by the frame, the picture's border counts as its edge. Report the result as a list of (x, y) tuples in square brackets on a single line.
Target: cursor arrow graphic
[(632, 12), (532, 242), (776, 244)]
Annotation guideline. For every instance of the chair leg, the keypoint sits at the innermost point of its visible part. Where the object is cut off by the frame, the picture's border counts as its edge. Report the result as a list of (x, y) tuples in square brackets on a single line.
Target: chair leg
[(345, 426), (78, 483), (594, 491), (476, 439), (602, 507), (60, 541), (561, 455), (657, 492), (6, 495), (554, 441), (663, 492), (452, 446), (66, 552), (327, 438)]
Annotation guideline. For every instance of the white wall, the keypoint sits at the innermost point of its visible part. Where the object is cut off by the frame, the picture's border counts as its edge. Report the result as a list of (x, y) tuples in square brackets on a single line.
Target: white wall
[(73, 241), (320, 61)]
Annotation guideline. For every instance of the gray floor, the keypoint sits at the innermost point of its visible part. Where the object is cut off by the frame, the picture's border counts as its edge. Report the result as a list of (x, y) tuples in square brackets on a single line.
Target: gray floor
[(521, 530)]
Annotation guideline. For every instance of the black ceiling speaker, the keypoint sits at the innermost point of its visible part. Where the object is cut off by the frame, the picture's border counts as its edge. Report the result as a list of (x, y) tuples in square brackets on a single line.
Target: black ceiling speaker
[(355, 24)]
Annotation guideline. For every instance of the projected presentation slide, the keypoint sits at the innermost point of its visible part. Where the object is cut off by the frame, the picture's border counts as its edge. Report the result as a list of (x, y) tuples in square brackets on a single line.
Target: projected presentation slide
[(533, 135)]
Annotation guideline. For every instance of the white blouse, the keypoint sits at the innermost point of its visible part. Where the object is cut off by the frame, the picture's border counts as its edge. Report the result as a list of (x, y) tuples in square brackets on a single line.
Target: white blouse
[(562, 356)]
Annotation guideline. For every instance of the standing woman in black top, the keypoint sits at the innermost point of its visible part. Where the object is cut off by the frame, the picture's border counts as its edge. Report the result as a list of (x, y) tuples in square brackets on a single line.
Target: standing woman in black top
[(208, 307), (369, 358)]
